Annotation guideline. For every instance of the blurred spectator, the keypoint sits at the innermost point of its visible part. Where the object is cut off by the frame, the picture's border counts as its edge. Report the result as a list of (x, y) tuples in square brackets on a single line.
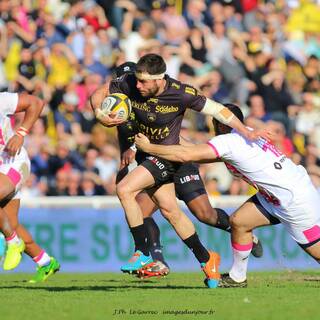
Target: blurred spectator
[(257, 108), (276, 95), (94, 15), (67, 116), (91, 185), (91, 65), (62, 65), (176, 26), (26, 71), (90, 161), (107, 163), (40, 163), (219, 44), (59, 185), (212, 187), (194, 13), (280, 140), (73, 188), (64, 160), (308, 118), (33, 188), (137, 40)]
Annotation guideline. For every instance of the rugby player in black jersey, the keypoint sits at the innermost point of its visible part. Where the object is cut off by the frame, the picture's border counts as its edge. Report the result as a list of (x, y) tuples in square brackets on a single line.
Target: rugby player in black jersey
[(159, 117), (189, 188)]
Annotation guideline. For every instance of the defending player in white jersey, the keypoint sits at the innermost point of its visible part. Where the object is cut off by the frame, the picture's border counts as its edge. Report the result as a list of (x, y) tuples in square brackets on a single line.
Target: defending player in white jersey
[(14, 170), (285, 191)]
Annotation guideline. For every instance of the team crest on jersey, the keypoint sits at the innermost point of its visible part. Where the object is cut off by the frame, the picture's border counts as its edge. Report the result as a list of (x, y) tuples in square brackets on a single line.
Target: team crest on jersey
[(151, 117), (153, 100)]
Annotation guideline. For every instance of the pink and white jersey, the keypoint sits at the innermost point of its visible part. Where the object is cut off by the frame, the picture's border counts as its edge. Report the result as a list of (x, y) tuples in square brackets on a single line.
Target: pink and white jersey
[(17, 168), (8, 105), (261, 164)]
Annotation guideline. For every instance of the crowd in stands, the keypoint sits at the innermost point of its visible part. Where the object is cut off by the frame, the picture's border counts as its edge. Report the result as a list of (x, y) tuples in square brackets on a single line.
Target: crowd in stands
[(262, 55)]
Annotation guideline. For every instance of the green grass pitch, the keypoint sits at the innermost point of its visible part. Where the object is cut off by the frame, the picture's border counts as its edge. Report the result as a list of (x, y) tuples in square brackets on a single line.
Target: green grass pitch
[(270, 295)]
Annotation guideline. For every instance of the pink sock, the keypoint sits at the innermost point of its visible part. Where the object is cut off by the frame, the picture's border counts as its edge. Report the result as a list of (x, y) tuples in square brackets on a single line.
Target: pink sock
[(13, 239), (42, 259), (241, 254)]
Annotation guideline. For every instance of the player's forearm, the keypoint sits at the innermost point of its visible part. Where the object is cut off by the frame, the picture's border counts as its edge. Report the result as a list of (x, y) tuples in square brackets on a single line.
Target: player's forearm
[(236, 124), (97, 97), (176, 153)]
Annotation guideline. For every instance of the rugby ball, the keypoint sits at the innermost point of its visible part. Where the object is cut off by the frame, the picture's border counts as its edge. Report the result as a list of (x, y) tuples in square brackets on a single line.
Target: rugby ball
[(118, 103)]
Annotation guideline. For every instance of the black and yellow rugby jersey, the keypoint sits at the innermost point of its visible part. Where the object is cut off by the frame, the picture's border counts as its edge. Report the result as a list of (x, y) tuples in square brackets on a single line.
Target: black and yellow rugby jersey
[(159, 117)]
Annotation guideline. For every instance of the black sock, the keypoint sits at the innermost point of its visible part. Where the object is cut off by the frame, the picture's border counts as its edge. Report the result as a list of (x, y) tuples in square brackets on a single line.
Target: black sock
[(200, 252), (153, 239), (222, 220), (139, 237)]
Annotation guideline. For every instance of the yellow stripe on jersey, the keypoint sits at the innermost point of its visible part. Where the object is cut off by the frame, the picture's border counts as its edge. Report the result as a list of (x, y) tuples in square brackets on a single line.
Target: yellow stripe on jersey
[(190, 90)]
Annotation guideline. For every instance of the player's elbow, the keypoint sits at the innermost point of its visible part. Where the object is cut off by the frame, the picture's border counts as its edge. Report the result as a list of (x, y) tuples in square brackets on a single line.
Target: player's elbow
[(36, 103)]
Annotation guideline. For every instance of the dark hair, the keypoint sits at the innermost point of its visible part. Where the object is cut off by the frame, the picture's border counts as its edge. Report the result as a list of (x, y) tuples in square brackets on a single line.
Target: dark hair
[(124, 68), (235, 110), (152, 64)]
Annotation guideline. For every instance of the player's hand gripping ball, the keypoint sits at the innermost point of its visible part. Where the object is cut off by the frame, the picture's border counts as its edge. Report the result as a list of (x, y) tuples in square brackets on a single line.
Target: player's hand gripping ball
[(117, 103)]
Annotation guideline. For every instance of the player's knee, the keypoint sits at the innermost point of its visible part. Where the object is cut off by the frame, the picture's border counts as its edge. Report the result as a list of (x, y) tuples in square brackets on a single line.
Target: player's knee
[(123, 191), (171, 215), (236, 222), (204, 214)]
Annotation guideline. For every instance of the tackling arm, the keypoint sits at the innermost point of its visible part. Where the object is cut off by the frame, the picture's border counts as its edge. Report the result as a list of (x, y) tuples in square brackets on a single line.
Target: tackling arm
[(178, 153)]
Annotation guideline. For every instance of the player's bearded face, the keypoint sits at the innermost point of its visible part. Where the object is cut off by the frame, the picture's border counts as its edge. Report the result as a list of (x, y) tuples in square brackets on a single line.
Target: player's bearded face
[(148, 88)]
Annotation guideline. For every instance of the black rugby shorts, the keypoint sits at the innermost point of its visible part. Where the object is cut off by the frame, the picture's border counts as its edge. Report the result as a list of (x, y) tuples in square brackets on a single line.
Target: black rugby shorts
[(188, 182), (162, 170)]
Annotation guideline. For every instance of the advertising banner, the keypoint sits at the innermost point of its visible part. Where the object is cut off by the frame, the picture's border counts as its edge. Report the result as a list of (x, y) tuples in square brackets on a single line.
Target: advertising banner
[(98, 240)]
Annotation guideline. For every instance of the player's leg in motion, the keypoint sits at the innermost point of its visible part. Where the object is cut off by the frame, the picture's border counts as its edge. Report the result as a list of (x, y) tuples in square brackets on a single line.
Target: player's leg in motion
[(148, 207), (190, 189), (243, 221), (159, 267), (167, 203), (201, 208), (314, 249), (15, 245), (46, 265), (127, 190)]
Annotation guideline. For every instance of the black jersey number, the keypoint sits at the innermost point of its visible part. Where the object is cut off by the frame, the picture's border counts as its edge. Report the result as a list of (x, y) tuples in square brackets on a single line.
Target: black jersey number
[(277, 165)]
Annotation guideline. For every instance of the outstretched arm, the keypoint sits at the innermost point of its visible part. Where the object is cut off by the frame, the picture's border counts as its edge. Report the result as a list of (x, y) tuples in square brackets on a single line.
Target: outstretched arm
[(178, 153), (225, 116)]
